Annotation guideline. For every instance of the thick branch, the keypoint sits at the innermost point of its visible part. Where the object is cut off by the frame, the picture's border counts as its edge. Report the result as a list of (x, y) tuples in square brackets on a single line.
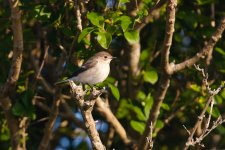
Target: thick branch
[(13, 76), (170, 21), (17, 47), (210, 44), (86, 108), (107, 113), (134, 56), (165, 74)]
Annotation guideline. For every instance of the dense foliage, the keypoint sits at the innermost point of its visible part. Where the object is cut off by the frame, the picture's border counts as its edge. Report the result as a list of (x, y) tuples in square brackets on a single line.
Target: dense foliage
[(57, 40)]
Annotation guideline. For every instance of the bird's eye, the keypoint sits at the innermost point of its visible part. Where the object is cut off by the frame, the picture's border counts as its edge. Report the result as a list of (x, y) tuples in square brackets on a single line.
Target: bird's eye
[(105, 57)]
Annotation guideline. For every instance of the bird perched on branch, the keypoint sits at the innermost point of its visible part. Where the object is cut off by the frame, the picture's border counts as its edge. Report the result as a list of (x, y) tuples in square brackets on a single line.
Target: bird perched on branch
[(95, 70)]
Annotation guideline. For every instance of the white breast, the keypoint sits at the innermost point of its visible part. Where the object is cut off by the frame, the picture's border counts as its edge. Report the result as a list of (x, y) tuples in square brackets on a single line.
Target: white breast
[(94, 75)]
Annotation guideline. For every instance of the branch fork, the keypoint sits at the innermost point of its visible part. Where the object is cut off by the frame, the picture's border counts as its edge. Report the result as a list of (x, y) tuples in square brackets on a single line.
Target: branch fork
[(210, 102), (86, 107)]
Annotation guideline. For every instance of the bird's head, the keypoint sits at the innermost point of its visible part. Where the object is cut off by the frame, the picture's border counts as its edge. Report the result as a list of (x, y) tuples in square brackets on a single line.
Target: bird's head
[(104, 57)]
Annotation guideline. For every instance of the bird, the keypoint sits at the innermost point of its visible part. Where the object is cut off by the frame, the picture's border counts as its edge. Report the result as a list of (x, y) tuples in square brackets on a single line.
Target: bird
[(95, 70)]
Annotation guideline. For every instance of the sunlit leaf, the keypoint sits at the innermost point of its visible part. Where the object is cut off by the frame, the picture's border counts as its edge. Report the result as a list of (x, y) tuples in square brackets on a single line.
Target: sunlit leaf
[(132, 36), (148, 105), (84, 33), (141, 95), (165, 106), (139, 113), (124, 1), (115, 91), (104, 39), (125, 22), (159, 124), (96, 19), (138, 126), (150, 76), (20, 89), (123, 110), (220, 50), (145, 55), (195, 87)]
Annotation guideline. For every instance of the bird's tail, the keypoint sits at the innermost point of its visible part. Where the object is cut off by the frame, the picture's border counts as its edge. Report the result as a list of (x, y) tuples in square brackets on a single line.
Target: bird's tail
[(61, 82)]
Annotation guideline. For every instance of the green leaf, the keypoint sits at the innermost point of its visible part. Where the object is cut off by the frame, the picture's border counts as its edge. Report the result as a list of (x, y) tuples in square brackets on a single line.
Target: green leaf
[(20, 89), (148, 105), (41, 12), (123, 110), (124, 1), (115, 91), (27, 99), (204, 2), (141, 95), (104, 39), (4, 132), (132, 36), (140, 115), (96, 19), (159, 124), (220, 50), (215, 112), (145, 55), (125, 22), (165, 106), (18, 109), (24, 106), (223, 93), (84, 33), (151, 76), (218, 99), (195, 87), (138, 126), (67, 31), (110, 80)]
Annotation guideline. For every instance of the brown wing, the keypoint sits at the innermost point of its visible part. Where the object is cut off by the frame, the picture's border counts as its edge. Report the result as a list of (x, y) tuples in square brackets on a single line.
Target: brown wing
[(87, 65)]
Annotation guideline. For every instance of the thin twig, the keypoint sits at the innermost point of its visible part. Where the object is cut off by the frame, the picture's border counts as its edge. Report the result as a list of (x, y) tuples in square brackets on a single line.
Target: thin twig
[(186, 129), (209, 45), (55, 108), (43, 61), (67, 115), (210, 100), (49, 125)]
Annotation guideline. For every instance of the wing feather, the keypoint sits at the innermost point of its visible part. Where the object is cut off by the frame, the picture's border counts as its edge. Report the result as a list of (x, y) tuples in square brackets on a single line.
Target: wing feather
[(87, 65)]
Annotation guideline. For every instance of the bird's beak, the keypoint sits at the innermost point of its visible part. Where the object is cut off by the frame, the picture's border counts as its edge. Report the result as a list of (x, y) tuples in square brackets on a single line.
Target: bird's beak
[(114, 57)]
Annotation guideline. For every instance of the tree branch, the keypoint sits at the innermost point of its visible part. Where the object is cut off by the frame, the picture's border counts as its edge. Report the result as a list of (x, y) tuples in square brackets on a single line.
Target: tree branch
[(209, 45), (86, 108), (17, 47), (151, 14), (107, 113), (14, 73), (49, 126), (165, 74), (210, 99)]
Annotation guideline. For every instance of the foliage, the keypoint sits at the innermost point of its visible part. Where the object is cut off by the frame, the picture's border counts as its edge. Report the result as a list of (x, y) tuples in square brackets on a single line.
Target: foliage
[(54, 23)]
